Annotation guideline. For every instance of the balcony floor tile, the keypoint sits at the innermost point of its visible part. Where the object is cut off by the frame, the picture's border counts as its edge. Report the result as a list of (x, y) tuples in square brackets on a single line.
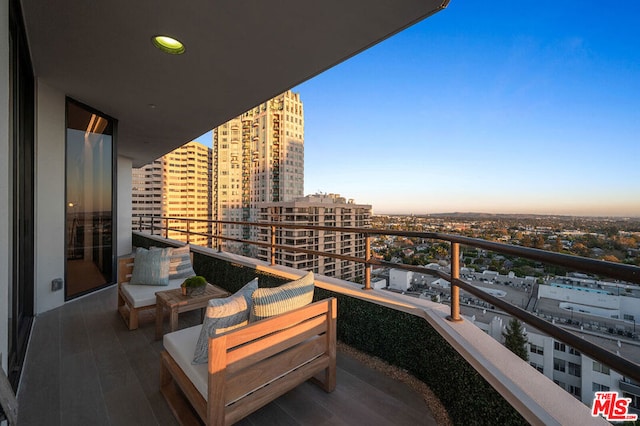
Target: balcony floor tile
[(84, 367)]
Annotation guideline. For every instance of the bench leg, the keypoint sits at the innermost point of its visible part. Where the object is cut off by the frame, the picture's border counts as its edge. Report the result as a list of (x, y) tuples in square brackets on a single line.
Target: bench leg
[(173, 319), (129, 313), (133, 318), (120, 300), (159, 320), (329, 384), (185, 401)]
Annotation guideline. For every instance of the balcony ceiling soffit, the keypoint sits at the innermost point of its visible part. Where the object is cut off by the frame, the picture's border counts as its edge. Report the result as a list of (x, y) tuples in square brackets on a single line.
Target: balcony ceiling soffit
[(238, 54)]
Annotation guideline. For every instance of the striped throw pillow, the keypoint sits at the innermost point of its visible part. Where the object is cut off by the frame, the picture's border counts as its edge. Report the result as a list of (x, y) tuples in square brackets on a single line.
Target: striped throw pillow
[(151, 267), (224, 315), (267, 302), (180, 265)]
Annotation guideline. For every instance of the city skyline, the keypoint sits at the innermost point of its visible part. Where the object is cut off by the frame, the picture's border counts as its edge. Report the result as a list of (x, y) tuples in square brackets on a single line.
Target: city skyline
[(497, 108)]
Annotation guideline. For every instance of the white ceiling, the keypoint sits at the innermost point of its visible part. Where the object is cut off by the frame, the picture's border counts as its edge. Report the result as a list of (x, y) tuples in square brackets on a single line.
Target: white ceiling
[(239, 53)]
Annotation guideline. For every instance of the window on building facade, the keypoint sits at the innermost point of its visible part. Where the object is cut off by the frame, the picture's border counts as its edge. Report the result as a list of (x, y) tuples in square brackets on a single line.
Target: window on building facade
[(575, 369), (535, 349), (538, 367), (559, 364), (600, 368), (597, 387), (575, 391), (635, 399), (559, 346)]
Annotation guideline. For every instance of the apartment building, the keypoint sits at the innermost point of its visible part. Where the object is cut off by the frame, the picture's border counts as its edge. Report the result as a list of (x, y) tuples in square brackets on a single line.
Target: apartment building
[(580, 375), (320, 210), (146, 193), (258, 157), (572, 370), (176, 185)]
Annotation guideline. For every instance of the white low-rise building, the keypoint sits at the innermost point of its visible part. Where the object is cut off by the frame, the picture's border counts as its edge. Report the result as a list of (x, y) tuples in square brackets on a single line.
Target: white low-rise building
[(593, 300), (399, 279), (576, 373)]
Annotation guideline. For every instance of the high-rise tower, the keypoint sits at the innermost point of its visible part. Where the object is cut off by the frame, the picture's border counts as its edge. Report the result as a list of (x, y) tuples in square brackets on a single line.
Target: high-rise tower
[(177, 185), (330, 210), (258, 157)]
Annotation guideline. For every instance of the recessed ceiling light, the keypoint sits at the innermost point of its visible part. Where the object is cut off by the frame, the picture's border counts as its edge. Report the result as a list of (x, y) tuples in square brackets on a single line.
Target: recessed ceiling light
[(168, 44)]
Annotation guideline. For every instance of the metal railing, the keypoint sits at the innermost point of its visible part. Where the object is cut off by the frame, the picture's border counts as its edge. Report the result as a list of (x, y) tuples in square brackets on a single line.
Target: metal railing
[(628, 273)]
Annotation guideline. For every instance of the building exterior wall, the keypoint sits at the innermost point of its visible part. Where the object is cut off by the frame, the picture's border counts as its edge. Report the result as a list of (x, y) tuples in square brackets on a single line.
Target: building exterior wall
[(568, 368), (146, 193), (187, 185), (232, 176), (399, 279), (176, 185), (258, 157), (624, 307), (50, 196), (319, 210), (124, 212)]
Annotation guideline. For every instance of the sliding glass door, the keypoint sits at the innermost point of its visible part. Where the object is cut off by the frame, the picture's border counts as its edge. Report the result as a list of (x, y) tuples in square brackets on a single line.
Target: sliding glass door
[(21, 131), (89, 200)]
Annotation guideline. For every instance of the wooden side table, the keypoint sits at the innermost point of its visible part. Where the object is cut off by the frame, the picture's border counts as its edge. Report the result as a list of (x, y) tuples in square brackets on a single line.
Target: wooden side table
[(176, 303)]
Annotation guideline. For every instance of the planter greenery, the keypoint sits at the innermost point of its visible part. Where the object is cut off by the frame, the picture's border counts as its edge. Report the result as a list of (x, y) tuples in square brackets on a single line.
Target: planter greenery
[(194, 286)]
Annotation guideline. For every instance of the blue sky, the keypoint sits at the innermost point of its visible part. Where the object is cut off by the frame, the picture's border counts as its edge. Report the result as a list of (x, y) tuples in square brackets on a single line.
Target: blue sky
[(504, 107)]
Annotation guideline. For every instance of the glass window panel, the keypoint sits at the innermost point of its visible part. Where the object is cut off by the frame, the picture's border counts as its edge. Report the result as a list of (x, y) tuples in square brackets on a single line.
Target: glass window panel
[(89, 200)]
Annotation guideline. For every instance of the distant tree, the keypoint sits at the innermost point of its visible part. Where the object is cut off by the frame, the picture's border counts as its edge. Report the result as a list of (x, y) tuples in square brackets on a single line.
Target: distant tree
[(611, 258), (580, 249), (438, 251), (558, 245), (539, 242), (515, 339)]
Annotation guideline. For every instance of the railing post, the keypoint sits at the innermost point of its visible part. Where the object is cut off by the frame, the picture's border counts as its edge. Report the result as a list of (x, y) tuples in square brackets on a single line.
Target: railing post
[(273, 245), (166, 228), (455, 290), (188, 230), (367, 267), (218, 234)]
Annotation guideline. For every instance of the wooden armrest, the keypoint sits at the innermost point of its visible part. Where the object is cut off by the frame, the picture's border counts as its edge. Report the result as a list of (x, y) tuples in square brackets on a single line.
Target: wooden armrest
[(125, 268)]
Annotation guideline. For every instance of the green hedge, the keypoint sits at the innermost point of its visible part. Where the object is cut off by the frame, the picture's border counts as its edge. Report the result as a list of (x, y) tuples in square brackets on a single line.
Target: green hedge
[(410, 343), (231, 276)]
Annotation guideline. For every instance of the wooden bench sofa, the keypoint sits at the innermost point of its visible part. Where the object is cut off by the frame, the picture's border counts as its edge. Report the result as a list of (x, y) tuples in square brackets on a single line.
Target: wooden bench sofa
[(250, 366), (133, 299)]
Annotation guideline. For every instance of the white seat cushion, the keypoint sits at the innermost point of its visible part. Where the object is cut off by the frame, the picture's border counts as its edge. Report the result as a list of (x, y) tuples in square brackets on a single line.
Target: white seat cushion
[(179, 345), (140, 296)]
